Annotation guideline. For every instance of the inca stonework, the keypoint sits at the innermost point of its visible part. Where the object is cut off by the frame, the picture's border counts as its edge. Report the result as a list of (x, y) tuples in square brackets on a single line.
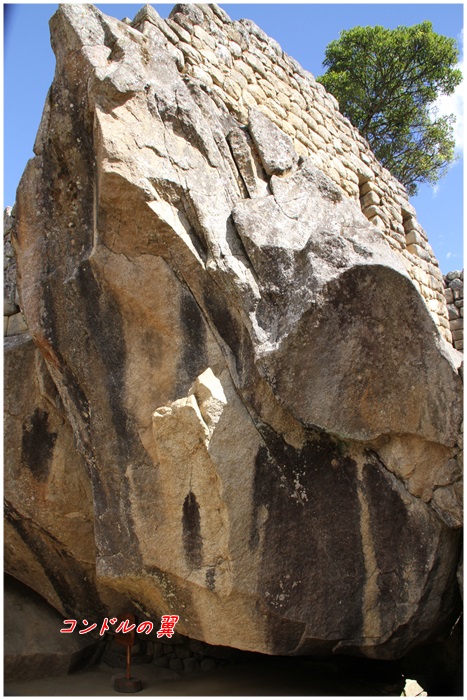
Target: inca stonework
[(241, 67), (239, 405), (454, 294)]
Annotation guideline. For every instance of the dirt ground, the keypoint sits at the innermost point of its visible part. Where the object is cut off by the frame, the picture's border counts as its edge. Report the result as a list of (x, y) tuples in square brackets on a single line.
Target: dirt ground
[(281, 677)]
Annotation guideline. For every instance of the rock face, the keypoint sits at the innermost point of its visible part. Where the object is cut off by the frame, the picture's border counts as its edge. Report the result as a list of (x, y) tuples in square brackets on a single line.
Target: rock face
[(34, 647), (237, 401)]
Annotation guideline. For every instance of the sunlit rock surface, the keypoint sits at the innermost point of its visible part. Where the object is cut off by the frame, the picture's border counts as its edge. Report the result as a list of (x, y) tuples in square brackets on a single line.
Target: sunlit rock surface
[(241, 408)]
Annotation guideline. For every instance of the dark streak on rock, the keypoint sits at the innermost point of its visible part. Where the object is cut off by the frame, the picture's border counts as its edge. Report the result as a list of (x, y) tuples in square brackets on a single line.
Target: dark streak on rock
[(312, 566), (194, 356), (191, 523), (409, 558), (37, 444), (106, 327)]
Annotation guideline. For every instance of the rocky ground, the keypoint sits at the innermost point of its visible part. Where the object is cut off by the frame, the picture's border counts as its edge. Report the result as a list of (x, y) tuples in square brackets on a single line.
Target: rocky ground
[(279, 677)]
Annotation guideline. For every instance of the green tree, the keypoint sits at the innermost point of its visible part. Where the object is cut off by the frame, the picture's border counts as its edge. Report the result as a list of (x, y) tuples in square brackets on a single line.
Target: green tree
[(386, 82)]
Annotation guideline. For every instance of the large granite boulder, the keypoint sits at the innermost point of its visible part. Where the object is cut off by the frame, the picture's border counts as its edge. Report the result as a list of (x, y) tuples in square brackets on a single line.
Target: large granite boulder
[(33, 645), (262, 409)]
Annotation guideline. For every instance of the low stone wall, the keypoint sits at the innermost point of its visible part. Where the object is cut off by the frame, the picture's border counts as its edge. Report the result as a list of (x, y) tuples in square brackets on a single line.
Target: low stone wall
[(241, 67), (180, 654), (454, 294)]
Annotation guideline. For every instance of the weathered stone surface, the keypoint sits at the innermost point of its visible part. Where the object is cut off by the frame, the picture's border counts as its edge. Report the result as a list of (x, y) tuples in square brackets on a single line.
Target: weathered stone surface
[(266, 412), (33, 645), (275, 148), (49, 534), (10, 306), (249, 166)]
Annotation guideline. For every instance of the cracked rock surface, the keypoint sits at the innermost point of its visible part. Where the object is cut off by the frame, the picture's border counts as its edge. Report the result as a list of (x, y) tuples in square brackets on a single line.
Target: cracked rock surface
[(246, 414)]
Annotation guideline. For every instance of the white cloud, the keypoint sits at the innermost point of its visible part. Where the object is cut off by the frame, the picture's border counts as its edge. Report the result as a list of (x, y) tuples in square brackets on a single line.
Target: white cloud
[(449, 255), (454, 104)]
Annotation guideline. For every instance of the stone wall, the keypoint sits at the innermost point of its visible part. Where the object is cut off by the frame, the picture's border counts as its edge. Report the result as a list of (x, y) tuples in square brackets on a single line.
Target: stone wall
[(241, 67), (178, 653), (454, 293), (13, 320)]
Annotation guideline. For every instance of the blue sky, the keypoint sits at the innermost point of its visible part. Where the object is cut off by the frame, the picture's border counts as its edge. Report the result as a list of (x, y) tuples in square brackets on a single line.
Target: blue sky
[(303, 31)]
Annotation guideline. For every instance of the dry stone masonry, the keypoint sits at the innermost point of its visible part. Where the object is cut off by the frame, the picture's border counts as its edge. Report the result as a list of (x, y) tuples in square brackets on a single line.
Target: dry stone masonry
[(239, 404), (241, 67), (13, 319), (454, 295)]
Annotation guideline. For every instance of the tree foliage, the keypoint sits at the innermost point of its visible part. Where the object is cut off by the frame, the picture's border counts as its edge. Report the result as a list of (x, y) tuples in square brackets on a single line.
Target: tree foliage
[(386, 82)]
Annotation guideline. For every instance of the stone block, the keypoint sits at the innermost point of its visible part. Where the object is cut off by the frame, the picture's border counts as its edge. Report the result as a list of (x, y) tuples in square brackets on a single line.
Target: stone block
[(453, 312), (248, 98), (288, 129), (410, 224), (372, 211), (378, 222), (202, 75), (158, 650), (176, 664), (235, 49), (209, 56), (300, 148), (413, 237), (457, 324), (456, 283), (418, 251), (283, 100), (448, 295), (190, 665), (296, 122), (258, 93), (17, 325), (369, 199), (267, 87), (244, 69), (10, 308), (182, 652), (457, 335), (179, 30), (436, 306), (218, 77), (304, 139), (189, 52), (203, 35), (232, 88), (161, 662), (256, 65), (207, 664)]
